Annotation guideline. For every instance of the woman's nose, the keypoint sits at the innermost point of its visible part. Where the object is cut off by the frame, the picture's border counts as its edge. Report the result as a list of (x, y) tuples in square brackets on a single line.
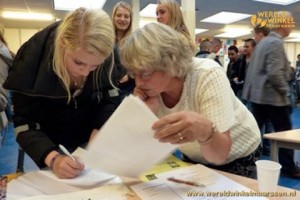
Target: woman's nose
[(85, 71)]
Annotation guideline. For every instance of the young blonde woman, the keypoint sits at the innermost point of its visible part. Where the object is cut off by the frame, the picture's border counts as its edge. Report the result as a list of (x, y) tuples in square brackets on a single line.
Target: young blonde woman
[(61, 82), (122, 21), (168, 12)]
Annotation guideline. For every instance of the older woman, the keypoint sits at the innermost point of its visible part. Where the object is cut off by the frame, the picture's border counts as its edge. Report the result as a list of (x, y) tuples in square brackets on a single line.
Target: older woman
[(193, 99)]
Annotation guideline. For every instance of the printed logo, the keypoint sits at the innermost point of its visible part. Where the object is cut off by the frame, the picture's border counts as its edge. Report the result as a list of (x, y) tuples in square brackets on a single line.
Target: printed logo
[(273, 19)]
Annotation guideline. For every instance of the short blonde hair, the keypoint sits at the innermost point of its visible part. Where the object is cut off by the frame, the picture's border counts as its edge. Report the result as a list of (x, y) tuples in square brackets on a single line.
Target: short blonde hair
[(87, 29), (125, 5), (157, 46), (176, 20)]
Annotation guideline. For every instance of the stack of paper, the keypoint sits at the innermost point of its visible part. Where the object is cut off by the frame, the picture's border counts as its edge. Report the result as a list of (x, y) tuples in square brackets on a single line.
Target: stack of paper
[(43, 182), (211, 185)]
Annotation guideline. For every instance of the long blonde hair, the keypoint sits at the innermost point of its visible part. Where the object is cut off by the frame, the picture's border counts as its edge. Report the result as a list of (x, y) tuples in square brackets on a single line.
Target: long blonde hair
[(125, 5), (86, 29), (176, 20)]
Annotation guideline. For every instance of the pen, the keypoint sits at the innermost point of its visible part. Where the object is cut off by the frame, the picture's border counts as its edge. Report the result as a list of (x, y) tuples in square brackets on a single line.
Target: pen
[(66, 152), (175, 180)]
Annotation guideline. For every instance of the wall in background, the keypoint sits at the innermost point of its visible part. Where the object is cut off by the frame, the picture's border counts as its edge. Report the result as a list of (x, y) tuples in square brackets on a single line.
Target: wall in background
[(16, 37)]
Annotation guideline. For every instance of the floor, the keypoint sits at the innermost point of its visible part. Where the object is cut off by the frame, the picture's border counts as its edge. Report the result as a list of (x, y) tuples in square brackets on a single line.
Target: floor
[(9, 153)]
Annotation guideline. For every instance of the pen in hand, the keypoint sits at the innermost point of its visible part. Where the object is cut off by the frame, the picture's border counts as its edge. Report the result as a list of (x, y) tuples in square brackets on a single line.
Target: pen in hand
[(175, 180), (66, 152)]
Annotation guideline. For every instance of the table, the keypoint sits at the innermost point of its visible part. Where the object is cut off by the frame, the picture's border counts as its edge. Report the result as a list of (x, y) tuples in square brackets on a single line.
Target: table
[(287, 139), (248, 182)]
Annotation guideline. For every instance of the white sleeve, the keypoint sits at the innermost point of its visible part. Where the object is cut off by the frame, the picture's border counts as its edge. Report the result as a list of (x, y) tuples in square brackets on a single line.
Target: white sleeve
[(216, 98)]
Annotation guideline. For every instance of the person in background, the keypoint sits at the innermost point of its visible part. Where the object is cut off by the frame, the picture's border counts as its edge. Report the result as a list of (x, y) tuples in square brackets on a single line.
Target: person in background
[(168, 12), (193, 99), (267, 88), (122, 21), (297, 81), (233, 67), (259, 34), (249, 45), (241, 51), (216, 45), (205, 48), (5, 62), (61, 81), (7, 56)]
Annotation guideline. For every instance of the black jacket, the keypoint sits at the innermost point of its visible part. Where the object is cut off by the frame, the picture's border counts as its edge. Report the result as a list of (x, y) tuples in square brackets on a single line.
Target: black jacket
[(40, 100)]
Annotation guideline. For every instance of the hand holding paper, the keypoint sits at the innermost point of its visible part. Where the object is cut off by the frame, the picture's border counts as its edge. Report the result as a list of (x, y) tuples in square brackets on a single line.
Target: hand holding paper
[(125, 145)]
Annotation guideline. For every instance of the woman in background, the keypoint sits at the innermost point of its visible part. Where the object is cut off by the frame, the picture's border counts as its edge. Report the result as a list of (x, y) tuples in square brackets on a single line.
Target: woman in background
[(122, 21), (168, 12)]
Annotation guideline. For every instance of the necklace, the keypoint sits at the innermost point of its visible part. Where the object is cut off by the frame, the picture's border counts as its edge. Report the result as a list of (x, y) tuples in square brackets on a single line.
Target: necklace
[(79, 84)]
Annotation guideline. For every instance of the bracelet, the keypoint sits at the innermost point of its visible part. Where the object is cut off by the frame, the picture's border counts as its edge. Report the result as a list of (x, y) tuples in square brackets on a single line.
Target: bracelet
[(53, 160), (211, 137)]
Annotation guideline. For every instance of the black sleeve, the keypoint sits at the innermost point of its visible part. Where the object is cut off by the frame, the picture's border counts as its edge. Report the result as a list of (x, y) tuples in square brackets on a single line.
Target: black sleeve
[(34, 142), (108, 102), (242, 70), (105, 109)]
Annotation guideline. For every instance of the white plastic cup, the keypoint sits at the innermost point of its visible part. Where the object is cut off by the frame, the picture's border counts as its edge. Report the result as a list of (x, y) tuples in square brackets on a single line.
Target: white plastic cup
[(267, 175)]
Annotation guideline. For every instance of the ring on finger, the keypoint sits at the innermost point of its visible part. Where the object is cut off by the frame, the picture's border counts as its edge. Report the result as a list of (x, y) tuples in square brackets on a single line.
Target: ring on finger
[(180, 136)]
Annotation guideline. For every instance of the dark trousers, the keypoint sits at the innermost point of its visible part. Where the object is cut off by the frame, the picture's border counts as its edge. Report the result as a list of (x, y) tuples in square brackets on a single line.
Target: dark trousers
[(279, 116), (242, 166)]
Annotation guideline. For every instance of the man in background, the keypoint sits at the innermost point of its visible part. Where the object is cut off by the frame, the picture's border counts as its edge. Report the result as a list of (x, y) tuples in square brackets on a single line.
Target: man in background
[(216, 45), (233, 67), (267, 87), (205, 48), (297, 81)]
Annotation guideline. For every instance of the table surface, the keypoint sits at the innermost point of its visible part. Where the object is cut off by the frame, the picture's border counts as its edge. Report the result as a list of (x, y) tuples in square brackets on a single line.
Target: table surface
[(287, 136), (247, 182)]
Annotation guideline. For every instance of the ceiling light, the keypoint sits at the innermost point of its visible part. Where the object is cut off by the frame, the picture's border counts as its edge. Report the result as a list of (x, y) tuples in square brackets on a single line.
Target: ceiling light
[(27, 16), (293, 35), (293, 40), (280, 2), (149, 11), (225, 17), (200, 30), (233, 33), (74, 4)]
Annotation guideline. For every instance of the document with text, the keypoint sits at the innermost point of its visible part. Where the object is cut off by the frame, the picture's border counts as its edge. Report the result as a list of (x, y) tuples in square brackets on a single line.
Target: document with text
[(125, 145), (195, 182)]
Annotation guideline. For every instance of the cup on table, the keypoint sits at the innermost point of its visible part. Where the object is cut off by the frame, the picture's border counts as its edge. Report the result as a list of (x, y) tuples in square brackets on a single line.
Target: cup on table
[(267, 175)]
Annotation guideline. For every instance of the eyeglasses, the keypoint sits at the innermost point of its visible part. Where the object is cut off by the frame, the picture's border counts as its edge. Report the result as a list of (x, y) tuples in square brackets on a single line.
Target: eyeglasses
[(145, 75)]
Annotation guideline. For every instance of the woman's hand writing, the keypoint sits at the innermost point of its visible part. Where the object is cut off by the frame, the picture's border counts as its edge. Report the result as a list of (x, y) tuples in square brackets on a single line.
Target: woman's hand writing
[(65, 167)]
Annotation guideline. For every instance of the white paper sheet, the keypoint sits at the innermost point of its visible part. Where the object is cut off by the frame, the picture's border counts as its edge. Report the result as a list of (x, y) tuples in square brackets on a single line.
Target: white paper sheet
[(107, 192), (125, 146), (88, 178), (214, 184), (38, 183)]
